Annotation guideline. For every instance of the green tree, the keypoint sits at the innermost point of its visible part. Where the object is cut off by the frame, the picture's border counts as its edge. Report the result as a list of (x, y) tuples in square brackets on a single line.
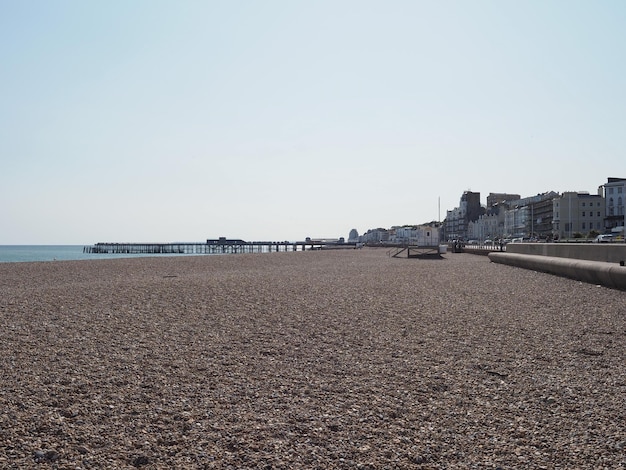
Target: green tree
[(593, 234)]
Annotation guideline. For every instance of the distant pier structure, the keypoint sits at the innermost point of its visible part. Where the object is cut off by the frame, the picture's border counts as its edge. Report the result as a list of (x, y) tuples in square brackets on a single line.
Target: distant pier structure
[(220, 245)]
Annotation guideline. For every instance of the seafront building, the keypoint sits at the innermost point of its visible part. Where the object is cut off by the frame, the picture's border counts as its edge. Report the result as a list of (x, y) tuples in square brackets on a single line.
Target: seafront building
[(416, 235), (456, 225), (515, 218), (578, 214), (375, 236), (490, 225), (509, 216), (546, 216), (530, 217), (353, 236), (614, 192), (496, 199)]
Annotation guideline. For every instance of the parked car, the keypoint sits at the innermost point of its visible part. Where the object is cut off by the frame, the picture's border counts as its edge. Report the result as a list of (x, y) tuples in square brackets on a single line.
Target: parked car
[(605, 238)]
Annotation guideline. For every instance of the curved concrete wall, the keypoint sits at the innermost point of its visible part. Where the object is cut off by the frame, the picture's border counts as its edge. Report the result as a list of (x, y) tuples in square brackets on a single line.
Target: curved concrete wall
[(595, 272), (607, 252)]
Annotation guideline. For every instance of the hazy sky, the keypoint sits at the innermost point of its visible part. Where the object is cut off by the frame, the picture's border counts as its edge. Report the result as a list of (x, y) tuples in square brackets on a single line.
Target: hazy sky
[(150, 120)]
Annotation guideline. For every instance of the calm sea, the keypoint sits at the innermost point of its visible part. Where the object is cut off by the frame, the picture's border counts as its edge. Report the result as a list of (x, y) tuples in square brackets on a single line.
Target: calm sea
[(25, 253)]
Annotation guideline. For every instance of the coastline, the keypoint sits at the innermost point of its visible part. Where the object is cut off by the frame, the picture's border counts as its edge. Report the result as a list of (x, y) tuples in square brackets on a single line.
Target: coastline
[(324, 359), (38, 253)]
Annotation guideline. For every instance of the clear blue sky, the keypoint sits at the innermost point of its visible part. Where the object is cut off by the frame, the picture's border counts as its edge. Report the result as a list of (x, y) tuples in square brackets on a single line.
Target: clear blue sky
[(184, 120)]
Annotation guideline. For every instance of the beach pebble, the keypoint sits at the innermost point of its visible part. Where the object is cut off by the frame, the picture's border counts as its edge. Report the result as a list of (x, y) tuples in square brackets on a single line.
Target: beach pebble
[(326, 359)]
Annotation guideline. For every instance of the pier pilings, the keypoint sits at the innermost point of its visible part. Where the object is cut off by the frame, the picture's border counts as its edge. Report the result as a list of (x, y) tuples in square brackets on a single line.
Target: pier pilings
[(211, 248)]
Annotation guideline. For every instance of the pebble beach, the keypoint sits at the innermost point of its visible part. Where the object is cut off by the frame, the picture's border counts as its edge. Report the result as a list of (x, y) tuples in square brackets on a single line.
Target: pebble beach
[(338, 359)]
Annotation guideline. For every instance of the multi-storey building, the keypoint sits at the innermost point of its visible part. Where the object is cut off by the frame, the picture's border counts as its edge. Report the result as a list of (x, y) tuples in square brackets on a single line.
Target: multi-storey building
[(519, 218), (454, 224), (375, 236), (495, 199), (542, 214), (614, 192), (457, 220), (577, 214), (488, 226)]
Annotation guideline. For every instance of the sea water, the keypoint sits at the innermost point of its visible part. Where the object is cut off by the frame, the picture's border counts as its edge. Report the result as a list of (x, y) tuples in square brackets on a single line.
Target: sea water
[(25, 253)]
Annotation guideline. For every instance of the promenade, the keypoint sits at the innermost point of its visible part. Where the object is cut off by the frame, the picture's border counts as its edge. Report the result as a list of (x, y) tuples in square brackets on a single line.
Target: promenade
[(338, 359)]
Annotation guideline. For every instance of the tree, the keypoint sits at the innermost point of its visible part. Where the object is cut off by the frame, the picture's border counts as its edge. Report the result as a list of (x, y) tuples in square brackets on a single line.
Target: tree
[(593, 234)]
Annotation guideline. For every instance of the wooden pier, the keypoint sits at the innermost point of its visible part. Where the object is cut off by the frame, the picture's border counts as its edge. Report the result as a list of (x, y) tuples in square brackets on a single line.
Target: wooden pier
[(212, 247)]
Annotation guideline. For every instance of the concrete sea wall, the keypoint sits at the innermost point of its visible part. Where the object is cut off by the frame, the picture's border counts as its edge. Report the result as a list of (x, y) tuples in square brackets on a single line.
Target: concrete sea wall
[(607, 252), (597, 264)]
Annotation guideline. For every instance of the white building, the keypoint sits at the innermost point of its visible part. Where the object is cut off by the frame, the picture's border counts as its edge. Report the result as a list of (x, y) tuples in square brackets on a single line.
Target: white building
[(416, 235), (614, 192), (488, 226), (375, 236)]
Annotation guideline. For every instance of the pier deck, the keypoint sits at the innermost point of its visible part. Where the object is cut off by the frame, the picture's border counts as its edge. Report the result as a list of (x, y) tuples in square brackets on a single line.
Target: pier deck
[(214, 247)]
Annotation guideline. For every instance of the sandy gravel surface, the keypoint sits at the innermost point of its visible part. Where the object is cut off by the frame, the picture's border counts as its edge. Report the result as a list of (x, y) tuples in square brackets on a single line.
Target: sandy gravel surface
[(341, 359)]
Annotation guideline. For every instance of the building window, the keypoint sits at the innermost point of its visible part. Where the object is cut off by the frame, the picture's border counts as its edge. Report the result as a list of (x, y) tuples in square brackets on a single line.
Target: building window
[(583, 211), (590, 225), (583, 204), (619, 190), (584, 227), (598, 213), (610, 190)]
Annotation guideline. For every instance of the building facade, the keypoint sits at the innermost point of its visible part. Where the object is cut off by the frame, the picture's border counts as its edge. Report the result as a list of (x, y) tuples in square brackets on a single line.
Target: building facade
[(488, 226), (416, 235), (375, 236), (530, 217), (495, 199), (456, 225), (614, 192), (578, 214)]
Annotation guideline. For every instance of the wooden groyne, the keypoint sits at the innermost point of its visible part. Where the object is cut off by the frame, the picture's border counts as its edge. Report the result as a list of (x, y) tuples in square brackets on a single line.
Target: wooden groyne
[(417, 251), (211, 247)]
